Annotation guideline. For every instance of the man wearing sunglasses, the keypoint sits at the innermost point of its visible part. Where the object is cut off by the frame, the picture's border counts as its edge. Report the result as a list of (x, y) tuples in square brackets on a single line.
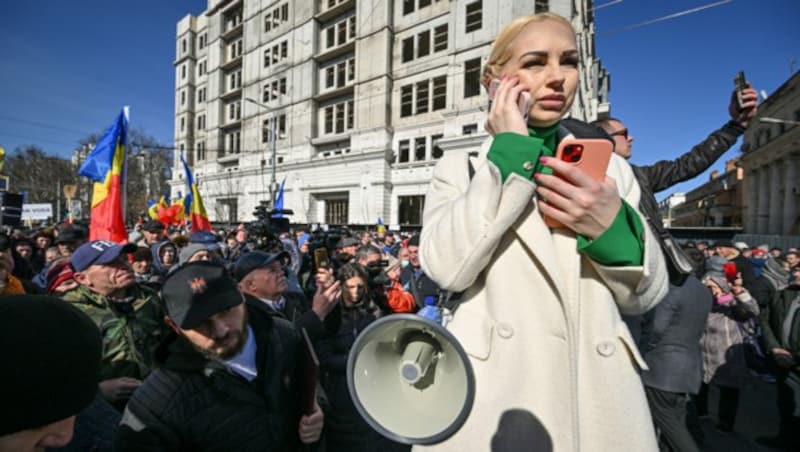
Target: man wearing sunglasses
[(669, 334)]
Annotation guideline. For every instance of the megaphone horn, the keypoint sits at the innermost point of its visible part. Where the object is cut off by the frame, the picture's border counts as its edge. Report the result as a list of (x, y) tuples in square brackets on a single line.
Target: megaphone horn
[(410, 379)]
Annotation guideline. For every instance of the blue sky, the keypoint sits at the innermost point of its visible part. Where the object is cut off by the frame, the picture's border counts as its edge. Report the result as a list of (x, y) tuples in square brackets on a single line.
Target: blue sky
[(66, 67)]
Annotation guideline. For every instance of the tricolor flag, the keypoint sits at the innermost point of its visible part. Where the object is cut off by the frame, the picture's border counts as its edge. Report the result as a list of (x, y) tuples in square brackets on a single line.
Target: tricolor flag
[(154, 207), (197, 213), (105, 165), (279, 200)]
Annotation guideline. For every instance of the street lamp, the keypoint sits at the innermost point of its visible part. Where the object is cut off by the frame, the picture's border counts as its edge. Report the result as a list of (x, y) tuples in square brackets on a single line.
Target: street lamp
[(779, 121), (273, 185)]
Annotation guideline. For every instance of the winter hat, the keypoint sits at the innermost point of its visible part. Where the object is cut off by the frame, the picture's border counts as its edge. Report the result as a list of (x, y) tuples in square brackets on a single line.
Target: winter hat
[(719, 279), (716, 264), (393, 262), (190, 251), (303, 239), (59, 272), (741, 246), (51, 371)]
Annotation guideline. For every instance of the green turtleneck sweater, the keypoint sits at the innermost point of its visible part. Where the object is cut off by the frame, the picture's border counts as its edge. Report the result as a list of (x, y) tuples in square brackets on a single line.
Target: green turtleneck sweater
[(622, 244)]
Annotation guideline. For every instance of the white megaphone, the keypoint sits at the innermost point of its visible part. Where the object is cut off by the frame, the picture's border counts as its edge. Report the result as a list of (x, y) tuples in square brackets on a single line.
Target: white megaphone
[(410, 379)]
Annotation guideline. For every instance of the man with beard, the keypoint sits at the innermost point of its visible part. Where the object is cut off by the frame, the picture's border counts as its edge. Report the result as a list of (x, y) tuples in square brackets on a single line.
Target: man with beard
[(128, 315), (226, 380)]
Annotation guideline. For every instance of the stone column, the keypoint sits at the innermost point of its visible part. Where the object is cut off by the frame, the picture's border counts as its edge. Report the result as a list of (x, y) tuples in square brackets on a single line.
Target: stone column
[(792, 187), (762, 214), (776, 201), (750, 183)]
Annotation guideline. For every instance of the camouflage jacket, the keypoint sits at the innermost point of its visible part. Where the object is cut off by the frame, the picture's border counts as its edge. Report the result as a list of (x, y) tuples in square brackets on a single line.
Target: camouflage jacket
[(131, 331)]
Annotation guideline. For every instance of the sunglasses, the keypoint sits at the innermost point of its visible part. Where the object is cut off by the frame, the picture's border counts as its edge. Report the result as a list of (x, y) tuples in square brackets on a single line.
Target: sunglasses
[(620, 133)]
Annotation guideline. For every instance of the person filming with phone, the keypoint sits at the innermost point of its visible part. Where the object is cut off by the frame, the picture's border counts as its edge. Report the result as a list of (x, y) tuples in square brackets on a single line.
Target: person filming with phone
[(555, 367)]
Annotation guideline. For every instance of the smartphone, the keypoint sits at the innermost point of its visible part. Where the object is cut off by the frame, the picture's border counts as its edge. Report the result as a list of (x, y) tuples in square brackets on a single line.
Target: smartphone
[(730, 271), (321, 259), (589, 155), (740, 84), (523, 103)]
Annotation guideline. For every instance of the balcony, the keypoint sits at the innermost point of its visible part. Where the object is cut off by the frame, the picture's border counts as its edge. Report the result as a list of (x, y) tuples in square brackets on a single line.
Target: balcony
[(328, 9)]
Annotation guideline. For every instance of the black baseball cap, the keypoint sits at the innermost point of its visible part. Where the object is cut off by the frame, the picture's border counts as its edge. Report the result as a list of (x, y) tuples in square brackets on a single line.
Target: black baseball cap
[(256, 259), (197, 290)]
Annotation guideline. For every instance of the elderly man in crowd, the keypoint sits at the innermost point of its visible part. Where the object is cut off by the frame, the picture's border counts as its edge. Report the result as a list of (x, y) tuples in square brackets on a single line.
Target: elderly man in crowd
[(129, 315)]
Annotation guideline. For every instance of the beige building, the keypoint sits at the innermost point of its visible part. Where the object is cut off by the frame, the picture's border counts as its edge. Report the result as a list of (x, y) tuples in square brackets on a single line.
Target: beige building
[(771, 164), (364, 97)]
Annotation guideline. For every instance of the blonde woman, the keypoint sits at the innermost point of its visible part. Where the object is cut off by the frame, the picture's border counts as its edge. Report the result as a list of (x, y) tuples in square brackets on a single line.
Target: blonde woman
[(555, 366)]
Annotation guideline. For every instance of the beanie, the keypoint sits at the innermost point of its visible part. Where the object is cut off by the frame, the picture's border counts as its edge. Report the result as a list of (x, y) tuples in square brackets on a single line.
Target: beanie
[(51, 371)]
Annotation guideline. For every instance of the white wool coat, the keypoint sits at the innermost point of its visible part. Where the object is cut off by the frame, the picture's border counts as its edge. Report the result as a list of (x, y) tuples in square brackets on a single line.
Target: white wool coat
[(555, 367)]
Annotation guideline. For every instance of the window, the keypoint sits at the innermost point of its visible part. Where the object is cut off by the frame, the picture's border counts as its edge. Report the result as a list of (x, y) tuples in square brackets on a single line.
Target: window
[(406, 100), (410, 209), (201, 150), (541, 6), (274, 89), (201, 122), (201, 41), (419, 149), (280, 128), (469, 129), (440, 38), (201, 68), (201, 95), (340, 33), (183, 72), (233, 142), (276, 53), (472, 77), (408, 49), (474, 16), (351, 69), (439, 93), (423, 44), (336, 211), (422, 96), (436, 152), (234, 80), (183, 124), (235, 49), (339, 117), (402, 155), (275, 18), (329, 76), (183, 45), (234, 110), (183, 97), (233, 20), (423, 3), (408, 6)]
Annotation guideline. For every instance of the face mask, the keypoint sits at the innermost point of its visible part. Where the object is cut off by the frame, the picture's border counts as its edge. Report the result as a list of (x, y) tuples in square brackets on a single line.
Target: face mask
[(404, 263), (725, 299)]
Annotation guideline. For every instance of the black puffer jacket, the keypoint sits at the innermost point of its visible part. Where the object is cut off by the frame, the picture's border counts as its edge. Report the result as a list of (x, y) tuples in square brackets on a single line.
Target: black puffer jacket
[(666, 173), (192, 404)]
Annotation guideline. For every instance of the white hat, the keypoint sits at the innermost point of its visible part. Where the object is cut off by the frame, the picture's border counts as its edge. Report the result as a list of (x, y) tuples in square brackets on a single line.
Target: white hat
[(741, 246)]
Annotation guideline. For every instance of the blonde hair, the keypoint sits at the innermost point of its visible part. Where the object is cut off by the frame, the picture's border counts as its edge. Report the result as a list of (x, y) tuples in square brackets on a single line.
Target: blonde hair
[(501, 49)]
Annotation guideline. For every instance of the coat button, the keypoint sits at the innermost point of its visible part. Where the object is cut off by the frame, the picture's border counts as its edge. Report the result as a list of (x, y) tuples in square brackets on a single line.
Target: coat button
[(527, 166), (504, 330), (606, 348)]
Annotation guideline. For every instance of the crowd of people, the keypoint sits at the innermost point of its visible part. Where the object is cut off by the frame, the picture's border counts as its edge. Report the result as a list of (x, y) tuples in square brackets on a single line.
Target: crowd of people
[(586, 326)]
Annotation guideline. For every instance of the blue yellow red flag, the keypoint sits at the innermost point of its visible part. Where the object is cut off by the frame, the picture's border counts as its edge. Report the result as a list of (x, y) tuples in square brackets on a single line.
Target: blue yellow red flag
[(197, 213), (105, 165)]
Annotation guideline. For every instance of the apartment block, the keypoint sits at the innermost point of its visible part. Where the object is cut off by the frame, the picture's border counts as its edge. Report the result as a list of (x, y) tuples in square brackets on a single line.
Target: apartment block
[(356, 99)]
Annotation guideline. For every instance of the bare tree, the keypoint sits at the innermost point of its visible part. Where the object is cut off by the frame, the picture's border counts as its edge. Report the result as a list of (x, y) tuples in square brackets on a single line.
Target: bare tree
[(38, 174)]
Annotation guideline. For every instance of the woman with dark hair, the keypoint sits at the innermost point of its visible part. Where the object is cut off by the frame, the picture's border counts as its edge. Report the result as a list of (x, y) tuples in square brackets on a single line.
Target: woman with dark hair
[(345, 429)]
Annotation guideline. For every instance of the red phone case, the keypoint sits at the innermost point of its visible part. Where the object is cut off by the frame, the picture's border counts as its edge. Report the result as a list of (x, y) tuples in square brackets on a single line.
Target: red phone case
[(594, 159)]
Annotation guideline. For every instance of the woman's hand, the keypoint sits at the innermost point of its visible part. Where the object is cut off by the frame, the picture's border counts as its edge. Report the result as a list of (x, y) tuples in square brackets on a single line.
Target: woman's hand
[(579, 202), (738, 285), (505, 115)]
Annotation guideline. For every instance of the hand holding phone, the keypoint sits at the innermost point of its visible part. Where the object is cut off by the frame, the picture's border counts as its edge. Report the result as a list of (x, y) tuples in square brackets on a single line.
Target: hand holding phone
[(523, 102), (740, 83), (589, 155), (321, 259)]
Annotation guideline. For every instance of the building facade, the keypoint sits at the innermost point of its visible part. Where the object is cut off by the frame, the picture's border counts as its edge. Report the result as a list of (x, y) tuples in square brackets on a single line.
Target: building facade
[(771, 162), (716, 203), (357, 99)]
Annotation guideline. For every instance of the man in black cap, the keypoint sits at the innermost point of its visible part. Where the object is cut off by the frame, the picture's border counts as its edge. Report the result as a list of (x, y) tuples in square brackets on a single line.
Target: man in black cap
[(153, 232), (262, 278), (228, 379), (129, 315), (51, 359), (69, 239), (414, 279), (346, 249)]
